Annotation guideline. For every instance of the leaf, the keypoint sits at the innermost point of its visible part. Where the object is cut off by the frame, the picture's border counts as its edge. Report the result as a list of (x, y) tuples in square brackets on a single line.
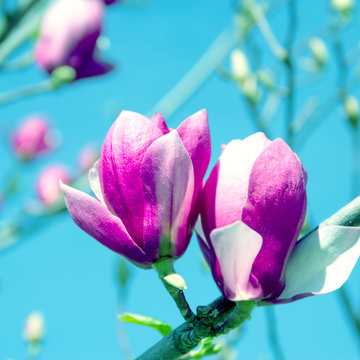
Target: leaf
[(158, 325), (206, 348), (176, 281)]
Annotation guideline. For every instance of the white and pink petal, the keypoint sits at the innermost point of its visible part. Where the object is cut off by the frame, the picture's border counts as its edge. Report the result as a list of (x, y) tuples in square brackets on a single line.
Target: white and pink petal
[(96, 220), (236, 247), (168, 179), (321, 262)]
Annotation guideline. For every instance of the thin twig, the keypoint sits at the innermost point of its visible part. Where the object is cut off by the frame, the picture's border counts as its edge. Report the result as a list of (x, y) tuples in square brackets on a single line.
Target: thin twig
[(265, 29), (289, 62), (13, 18), (349, 309), (273, 336), (198, 74), (26, 91), (122, 332)]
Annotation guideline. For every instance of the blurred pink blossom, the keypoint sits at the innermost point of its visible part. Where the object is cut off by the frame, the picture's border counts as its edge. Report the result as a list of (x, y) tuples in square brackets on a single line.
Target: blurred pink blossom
[(68, 36), (48, 188), (33, 137)]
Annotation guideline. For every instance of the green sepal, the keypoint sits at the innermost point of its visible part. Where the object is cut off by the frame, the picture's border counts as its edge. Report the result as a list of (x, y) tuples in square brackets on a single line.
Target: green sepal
[(162, 327), (176, 281), (63, 75)]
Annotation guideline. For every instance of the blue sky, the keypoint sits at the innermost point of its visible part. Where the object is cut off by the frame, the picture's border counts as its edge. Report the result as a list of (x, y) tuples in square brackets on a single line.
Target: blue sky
[(68, 276)]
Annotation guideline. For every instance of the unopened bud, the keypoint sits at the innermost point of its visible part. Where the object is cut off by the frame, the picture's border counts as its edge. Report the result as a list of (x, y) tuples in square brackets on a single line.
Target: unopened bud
[(239, 65), (352, 111), (343, 6), (319, 50), (34, 327)]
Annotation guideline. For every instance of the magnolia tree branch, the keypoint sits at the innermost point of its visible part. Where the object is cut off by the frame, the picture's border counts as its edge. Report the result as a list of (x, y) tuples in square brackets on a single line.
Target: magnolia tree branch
[(289, 62), (223, 315)]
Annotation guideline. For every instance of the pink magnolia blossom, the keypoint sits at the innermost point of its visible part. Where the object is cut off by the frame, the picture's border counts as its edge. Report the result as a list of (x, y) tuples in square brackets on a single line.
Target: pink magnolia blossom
[(147, 185), (48, 187), (252, 212), (33, 137), (68, 36)]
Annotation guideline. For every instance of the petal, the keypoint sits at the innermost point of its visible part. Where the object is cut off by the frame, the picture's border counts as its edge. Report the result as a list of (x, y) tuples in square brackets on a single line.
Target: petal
[(204, 245), (119, 168), (236, 247), (93, 67), (209, 254), (95, 219), (275, 209), (94, 182), (321, 262), (195, 135), (159, 120), (226, 190), (168, 178)]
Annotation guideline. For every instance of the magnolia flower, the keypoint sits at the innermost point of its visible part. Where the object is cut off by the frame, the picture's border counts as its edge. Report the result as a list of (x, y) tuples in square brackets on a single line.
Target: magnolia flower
[(68, 36), (48, 188), (147, 185), (252, 211), (33, 137)]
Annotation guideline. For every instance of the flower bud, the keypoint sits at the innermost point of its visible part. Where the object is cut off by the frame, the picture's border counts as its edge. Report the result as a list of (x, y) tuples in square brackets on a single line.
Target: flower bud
[(239, 65), (33, 137), (352, 110), (319, 51), (343, 6), (68, 36), (48, 187), (147, 184), (34, 327)]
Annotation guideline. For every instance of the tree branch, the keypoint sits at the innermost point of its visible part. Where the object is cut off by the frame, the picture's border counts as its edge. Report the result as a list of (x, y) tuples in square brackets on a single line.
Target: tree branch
[(216, 318)]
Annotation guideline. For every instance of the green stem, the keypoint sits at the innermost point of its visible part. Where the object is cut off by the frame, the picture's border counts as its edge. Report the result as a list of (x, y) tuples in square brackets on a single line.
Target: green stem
[(27, 91), (164, 268), (185, 338), (30, 20), (349, 309), (12, 19), (240, 314)]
